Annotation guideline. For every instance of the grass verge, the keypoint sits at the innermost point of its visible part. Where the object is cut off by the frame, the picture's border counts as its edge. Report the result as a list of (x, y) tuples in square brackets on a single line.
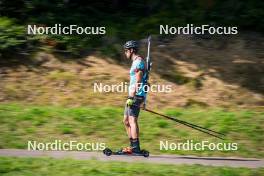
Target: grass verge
[(49, 166), (21, 123)]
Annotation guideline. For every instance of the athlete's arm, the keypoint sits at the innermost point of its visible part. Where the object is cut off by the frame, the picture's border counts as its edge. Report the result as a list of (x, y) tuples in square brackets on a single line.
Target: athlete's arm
[(139, 76)]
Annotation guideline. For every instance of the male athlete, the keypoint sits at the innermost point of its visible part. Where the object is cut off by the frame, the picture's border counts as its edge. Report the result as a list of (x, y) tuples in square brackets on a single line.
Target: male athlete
[(136, 95)]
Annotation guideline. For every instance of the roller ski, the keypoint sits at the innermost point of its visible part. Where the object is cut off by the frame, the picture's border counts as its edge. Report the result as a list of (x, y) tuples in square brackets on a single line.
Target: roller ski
[(128, 151)]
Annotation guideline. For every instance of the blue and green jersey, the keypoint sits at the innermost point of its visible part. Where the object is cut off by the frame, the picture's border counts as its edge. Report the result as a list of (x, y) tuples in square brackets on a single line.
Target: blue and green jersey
[(138, 65)]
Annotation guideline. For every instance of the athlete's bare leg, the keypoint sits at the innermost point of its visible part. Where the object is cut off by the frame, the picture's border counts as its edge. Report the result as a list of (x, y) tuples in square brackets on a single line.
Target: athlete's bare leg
[(134, 129), (127, 126)]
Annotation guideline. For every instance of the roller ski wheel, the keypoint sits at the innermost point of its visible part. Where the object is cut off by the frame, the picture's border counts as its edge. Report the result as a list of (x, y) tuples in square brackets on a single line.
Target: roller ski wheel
[(145, 153), (107, 152)]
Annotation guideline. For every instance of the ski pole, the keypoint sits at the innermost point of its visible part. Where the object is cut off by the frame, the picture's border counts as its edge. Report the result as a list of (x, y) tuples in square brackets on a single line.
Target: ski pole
[(196, 127)]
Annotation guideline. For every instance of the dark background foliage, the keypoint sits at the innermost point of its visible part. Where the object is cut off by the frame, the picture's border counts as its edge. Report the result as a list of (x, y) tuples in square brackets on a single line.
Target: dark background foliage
[(123, 19)]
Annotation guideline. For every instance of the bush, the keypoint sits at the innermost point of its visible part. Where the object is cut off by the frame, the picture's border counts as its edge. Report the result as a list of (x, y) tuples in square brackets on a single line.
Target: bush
[(12, 36)]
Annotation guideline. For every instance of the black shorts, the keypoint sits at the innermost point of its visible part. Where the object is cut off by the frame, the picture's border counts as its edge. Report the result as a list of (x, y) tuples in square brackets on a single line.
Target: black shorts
[(135, 108)]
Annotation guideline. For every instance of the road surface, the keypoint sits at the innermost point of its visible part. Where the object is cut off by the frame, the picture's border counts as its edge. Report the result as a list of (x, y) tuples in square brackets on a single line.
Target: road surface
[(159, 159)]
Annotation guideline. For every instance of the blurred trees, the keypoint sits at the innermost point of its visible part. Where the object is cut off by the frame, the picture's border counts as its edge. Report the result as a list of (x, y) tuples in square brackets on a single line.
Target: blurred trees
[(124, 19)]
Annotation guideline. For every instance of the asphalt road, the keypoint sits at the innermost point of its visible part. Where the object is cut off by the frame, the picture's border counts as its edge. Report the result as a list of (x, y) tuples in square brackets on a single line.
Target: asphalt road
[(159, 159)]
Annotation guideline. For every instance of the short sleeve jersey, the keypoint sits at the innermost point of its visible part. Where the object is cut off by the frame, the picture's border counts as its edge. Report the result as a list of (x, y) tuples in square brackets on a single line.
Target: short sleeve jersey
[(138, 65)]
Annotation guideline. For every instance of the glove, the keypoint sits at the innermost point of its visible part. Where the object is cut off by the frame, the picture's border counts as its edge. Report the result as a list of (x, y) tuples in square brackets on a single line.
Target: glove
[(130, 101)]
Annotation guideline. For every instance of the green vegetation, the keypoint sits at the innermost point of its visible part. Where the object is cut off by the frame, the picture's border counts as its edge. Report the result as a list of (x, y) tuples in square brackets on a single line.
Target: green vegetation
[(48, 166), (12, 36), (123, 19), (20, 123)]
